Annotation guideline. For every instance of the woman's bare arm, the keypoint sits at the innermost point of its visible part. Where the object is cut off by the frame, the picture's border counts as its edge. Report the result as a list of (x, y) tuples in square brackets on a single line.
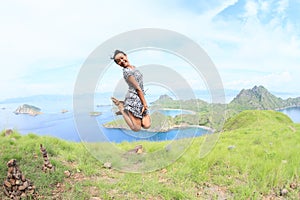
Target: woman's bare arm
[(139, 91)]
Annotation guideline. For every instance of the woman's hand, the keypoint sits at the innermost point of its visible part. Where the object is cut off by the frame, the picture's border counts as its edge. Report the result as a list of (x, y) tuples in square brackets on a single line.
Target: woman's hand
[(145, 107)]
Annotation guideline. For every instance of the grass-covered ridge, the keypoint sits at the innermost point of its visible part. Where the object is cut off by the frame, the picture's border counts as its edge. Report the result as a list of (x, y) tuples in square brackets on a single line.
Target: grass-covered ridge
[(255, 158), (252, 118)]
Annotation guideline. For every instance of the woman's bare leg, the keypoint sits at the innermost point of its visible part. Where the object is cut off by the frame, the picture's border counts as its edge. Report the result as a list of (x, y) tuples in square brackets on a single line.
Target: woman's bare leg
[(119, 112), (146, 121), (136, 122), (133, 122)]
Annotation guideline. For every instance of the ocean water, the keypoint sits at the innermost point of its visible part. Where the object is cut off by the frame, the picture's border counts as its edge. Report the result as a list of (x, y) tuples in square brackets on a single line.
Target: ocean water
[(293, 113), (64, 125), (174, 112)]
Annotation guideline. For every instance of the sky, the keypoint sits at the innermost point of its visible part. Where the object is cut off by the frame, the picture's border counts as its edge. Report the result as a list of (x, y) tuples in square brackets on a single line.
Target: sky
[(44, 44)]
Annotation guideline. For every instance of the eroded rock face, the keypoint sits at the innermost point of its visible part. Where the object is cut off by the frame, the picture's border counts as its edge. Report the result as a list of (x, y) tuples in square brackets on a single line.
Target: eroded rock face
[(28, 109), (16, 186)]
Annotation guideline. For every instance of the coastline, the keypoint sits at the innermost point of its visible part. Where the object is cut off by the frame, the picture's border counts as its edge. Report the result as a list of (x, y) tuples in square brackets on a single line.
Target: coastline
[(194, 126), (278, 109), (176, 109), (165, 130), (162, 128)]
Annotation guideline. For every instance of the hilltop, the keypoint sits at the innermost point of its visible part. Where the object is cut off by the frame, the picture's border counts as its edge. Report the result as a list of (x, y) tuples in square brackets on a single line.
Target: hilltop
[(254, 158), (258, 119)]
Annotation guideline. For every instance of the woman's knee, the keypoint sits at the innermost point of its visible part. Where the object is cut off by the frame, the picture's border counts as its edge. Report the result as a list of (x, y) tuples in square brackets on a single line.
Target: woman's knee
[(146, 125), (136, 128), (146, 122)]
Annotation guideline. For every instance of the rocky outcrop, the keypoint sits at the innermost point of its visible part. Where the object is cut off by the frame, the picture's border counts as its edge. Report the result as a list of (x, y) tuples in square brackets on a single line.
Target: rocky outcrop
[(16, 186), (28, 109)]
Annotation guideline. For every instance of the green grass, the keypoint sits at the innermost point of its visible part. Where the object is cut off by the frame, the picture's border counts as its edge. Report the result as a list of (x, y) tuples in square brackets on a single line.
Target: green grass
[(255, 157)]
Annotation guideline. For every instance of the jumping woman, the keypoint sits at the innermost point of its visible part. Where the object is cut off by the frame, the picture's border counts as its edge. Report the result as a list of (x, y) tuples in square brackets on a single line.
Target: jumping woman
[(134, 108)]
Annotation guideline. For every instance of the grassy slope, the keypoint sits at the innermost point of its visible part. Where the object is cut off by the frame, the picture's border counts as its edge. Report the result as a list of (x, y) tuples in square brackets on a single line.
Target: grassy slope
[(261, 161)]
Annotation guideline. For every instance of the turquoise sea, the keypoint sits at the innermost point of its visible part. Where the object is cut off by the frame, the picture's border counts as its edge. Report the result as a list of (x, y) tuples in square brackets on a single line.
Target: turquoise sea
[(63, 125), (293, 113)]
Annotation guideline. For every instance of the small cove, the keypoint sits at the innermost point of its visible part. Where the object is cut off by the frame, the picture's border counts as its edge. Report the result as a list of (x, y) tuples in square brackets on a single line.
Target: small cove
[(293, 113)]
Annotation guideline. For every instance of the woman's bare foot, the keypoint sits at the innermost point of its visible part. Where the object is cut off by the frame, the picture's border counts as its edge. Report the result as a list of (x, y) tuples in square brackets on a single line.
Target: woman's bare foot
[(119, 104), (115, 101), (118, 113)]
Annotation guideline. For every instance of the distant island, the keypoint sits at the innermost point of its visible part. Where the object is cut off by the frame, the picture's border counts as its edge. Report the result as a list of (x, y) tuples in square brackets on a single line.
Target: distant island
[(213, 115), (95, 113), (28, 109), (64, 111)]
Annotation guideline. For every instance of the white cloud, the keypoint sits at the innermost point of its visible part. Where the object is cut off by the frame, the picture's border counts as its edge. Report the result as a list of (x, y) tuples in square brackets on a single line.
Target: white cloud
[(45, 35), (251, 8), (282, 6), (265, 5), (219, 7), (260, 46), (271, 81)]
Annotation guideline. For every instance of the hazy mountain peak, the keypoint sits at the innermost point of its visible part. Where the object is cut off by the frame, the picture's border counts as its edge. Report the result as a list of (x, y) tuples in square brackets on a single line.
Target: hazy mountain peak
[(257, 98)]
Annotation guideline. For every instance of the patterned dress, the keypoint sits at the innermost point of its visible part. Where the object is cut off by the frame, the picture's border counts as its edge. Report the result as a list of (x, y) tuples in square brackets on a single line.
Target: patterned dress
[(132, 101)]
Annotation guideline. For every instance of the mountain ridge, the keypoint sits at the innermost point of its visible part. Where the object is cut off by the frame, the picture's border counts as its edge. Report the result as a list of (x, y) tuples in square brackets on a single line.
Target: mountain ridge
[(259, 98), (256, 98), (213, 115)]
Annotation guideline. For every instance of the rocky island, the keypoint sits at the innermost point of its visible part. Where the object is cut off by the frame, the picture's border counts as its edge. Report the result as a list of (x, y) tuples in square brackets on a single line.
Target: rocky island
[(64, 111), (95, 113), (28, 109)]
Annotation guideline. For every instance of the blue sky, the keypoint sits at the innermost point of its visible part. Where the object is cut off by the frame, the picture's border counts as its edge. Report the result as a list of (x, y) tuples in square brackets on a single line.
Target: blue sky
[(251, 42)]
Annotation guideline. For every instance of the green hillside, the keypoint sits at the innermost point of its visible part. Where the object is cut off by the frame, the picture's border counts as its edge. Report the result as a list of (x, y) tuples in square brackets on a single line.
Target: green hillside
[(255, 158), (213, 115), (259, 98), (209, 115), (256, 98), (252, 118), (165, 101)]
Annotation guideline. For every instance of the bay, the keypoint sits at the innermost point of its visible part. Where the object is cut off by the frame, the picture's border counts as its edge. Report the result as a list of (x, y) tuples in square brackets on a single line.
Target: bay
[(293, 113), (54, 122), (174, 112)]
